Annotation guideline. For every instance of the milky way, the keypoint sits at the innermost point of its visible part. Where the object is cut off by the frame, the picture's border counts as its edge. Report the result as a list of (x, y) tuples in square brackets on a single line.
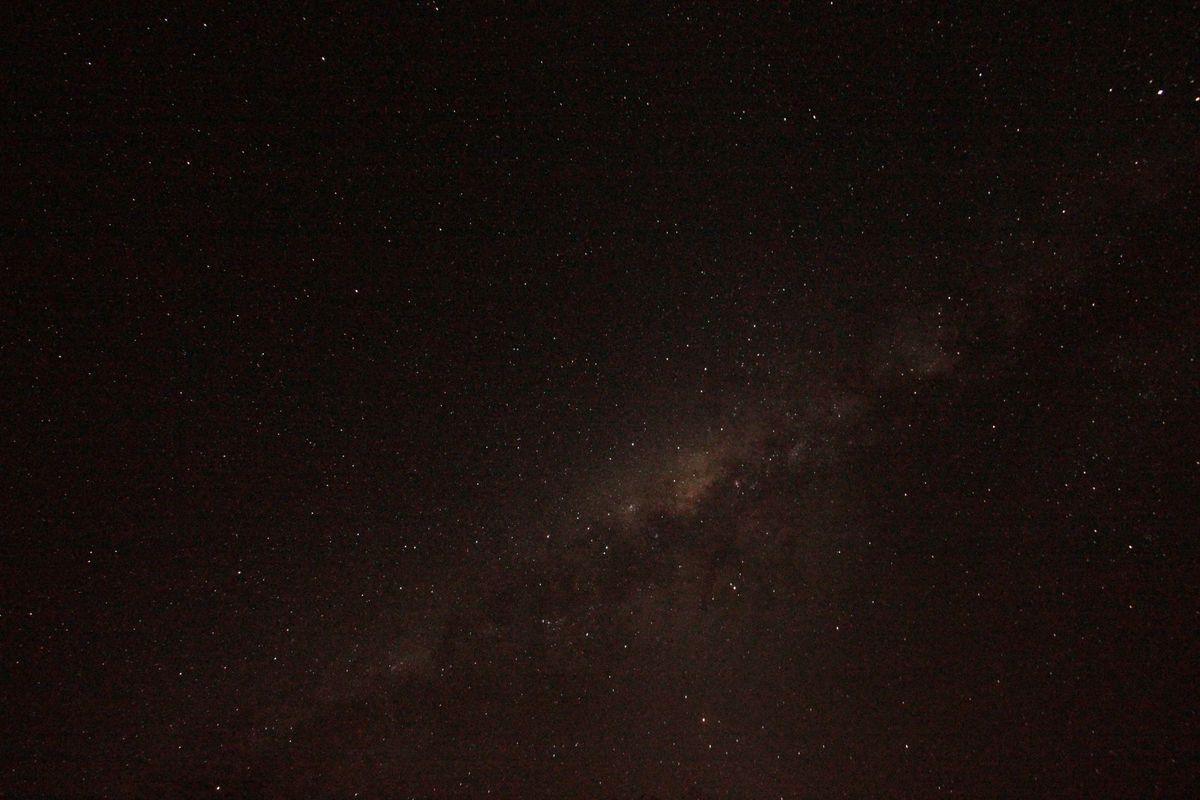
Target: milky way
[(443, 402)]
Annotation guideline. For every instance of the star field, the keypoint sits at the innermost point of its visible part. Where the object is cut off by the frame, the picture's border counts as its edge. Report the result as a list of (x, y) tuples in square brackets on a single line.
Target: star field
[(459, 401)]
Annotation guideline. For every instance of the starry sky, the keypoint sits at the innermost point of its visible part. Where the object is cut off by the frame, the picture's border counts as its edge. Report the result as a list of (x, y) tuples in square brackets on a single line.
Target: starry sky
[(444, 400)]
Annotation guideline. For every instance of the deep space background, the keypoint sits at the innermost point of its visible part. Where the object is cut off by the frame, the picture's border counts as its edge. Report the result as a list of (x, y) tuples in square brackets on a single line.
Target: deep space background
[(600, 401)]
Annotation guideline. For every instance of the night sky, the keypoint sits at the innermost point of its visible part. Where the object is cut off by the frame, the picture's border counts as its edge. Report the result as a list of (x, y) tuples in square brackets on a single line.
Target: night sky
[(458, 400)]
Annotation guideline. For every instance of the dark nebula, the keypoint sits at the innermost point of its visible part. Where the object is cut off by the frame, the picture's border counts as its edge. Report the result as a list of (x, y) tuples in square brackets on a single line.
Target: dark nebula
[(642, 402)]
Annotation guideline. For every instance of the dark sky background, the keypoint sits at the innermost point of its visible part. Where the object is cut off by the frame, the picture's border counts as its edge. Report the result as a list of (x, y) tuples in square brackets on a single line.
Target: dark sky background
[(456, 400)]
